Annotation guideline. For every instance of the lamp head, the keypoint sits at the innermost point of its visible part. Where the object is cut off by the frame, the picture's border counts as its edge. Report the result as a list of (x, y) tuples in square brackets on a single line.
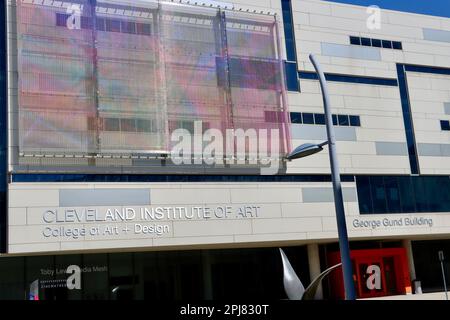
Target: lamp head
[(304, 150)]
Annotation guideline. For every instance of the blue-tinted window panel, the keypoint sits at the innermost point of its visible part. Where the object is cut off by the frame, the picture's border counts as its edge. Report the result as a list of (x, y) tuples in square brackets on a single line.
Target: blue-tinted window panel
[(291, 76), (355, 121), (343, 120), (86, 23), (143, 28), (319, 118), (407, 120), (392, 194), (364, 194), (296, 117), (397, 45), (335, 119), (376, 43), (366, 42), (403, 194), (434, 70), (445, 125), (387, 44), (101, 24), (355, 41), (112, 25), (349, 79), (308, 118), (173, 178), (407, 198), (128, 27), (378, 192), (420, 194), (288, 30), (61, 19)]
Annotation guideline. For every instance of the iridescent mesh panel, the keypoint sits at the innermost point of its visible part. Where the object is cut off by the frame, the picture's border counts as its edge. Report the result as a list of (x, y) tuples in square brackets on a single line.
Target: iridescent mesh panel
[(123, 79)]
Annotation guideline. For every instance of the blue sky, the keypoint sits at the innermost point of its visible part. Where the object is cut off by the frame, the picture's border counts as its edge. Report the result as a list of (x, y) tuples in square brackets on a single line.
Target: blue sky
[(432, 7)]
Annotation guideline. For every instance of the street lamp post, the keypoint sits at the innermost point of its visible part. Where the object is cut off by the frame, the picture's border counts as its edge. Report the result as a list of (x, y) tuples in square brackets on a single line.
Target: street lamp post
[(309, 149)]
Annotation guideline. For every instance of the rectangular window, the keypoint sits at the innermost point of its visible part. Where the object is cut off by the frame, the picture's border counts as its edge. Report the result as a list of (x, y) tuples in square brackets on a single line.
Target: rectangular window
[(366, 42), (101, 24), (144, 125), (387, 44), (392, 194), (143, 28), (319, 118), (335, 120), (403, 194), (112, 25), (296, 117), (378, 192), (343, 120), (397, 45), (111, 124), (355, 41), (128, 27), (308, 118), (61, 19), (86, 23), (355, 121), (127, 125), (291, 76), (376, 43), (445, 125)]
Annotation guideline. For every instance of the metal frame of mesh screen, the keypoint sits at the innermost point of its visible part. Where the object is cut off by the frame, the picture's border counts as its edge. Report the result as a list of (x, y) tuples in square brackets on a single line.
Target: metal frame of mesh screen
[(105, 85)]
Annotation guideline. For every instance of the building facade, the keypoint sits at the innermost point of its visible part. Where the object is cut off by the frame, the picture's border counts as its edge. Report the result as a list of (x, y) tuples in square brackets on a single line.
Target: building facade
[(143, 148)]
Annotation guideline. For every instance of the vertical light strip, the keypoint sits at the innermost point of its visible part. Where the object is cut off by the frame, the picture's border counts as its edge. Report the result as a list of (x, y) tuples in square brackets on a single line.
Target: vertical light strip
[(407, 119), (291, 54)]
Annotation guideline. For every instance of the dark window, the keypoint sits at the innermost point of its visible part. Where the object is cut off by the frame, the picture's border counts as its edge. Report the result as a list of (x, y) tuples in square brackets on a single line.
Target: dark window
[(376, 43), (364, 194), (86, 23), (445, 125), (291, 76), (355, 121), (343, 120), (296, 117), (403, 194), (128, 27), (366, 42), (112, 25), (127, 125), (355, 40), (308, 118), (335, 119), (101, 24), (61, 19), (407, 199), (144, 125), (397, 45), (392, 194), (288, 30), (111, 124), (319, 118), (387, 44), (143, 28), (378, 192)]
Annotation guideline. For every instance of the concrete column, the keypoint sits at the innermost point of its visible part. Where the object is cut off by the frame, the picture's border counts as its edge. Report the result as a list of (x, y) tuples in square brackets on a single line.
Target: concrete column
[(412, 269), (314, 267)]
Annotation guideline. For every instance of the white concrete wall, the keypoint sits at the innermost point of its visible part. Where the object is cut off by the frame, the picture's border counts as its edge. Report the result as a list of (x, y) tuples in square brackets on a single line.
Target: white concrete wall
[(299, 212)]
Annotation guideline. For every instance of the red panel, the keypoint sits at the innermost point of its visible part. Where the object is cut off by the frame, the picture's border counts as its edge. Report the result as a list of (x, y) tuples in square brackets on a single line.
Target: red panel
[(402, 280)]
